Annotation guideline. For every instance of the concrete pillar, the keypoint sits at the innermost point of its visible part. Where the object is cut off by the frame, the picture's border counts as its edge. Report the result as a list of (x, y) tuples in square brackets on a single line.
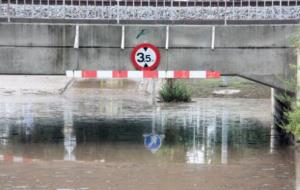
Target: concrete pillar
[(273, 132), (76, 40), (123, 37), (213, 35), (272, 100), (167, 38)]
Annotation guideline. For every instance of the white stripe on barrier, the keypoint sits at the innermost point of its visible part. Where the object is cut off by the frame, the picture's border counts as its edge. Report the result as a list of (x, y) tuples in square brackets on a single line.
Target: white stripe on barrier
[(77, 74), (17, 159), (104, 74), (198, 74), (135, 74), (165, 74), (69, 73), (170, 74), (162, 74)]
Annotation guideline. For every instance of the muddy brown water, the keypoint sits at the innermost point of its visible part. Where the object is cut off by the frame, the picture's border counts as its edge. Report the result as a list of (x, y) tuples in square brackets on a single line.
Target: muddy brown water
[(118, 139)]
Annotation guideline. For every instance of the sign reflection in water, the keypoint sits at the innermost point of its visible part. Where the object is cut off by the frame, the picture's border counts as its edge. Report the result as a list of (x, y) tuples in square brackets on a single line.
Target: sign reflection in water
[(192, 134), (153, 141)]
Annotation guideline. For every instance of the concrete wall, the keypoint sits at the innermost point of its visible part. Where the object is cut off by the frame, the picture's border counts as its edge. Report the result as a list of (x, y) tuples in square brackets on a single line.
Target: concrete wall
[(258, 52)]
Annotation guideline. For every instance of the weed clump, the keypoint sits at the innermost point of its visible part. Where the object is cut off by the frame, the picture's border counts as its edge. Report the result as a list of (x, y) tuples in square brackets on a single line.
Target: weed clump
[(175, 91)]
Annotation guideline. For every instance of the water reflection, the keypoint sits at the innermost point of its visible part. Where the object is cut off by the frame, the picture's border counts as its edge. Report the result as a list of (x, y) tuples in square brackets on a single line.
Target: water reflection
[(116, 130)]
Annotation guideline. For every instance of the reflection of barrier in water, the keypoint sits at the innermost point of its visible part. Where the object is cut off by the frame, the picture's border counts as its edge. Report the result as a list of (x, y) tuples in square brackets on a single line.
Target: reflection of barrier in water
[(224, 154), (69, 137), (198, 133), (112, 108), (204, 136), (14, 159), (203, 148)]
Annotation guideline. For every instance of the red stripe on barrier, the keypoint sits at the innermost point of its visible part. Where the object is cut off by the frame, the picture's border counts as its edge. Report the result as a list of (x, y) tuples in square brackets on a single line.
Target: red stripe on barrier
[(150, 74), (120, 74), (213, 74), (181, 74), (8, 158), (89, 74)]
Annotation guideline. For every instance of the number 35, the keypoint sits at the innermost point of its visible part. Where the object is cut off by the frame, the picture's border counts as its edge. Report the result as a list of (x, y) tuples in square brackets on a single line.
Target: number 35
[(143, 58)]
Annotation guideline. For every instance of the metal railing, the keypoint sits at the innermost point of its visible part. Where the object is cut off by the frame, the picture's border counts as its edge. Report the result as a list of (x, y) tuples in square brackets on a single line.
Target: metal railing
[(152, 9)]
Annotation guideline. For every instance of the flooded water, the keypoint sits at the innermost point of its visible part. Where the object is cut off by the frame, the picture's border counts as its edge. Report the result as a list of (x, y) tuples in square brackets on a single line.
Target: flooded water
[(117, 139)]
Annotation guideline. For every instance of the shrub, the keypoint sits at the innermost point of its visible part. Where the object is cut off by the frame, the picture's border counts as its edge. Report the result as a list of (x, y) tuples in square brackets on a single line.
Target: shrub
[(293, 121), (175, 91)]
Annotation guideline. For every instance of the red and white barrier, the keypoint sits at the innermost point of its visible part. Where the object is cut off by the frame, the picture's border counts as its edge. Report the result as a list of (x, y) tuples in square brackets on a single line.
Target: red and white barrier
[(143, 74), (14, 159)]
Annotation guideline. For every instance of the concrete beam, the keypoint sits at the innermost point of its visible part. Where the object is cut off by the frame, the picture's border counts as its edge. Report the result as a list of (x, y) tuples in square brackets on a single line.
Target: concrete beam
[(261, 53), (180, 36), (265, 36), (254, 64), (37, 35), (100, 36)]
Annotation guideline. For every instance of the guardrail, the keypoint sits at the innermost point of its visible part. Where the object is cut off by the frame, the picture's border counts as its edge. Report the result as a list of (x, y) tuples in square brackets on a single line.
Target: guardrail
[(159, 10)]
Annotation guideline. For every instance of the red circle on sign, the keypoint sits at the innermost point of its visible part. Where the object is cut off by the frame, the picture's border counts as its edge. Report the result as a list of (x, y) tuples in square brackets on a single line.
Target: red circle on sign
[(141, 51)]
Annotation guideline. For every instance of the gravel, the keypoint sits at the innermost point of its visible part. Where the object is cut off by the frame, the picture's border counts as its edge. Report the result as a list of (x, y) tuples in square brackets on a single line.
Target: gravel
[(149, 13)]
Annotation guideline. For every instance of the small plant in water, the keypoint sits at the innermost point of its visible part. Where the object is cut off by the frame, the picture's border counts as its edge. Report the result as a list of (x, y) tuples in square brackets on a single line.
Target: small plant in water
[(175, 91)]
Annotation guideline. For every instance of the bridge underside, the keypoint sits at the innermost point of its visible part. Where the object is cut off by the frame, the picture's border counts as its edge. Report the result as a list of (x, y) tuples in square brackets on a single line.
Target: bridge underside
[(261, 53)]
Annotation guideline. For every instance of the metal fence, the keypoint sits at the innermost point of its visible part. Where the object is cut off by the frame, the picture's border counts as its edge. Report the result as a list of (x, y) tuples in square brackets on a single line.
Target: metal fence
[(152, 9)]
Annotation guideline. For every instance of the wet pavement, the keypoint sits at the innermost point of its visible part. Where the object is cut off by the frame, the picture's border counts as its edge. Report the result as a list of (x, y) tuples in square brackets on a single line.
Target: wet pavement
[(117, 139)]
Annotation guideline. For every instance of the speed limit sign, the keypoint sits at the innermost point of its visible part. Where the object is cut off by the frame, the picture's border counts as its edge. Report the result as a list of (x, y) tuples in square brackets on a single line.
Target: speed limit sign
[(145, 57)]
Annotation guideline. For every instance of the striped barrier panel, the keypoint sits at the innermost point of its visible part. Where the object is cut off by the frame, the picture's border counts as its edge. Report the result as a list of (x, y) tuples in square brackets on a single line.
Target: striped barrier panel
[(143, 74)]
